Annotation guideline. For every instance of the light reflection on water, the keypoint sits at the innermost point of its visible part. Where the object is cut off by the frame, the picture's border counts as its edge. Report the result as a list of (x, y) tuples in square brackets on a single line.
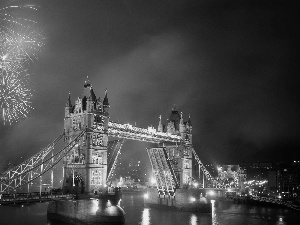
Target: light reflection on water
[(146, 217), (95, 206), (193, 219), (213, 213), (225, 213), (280, 221)]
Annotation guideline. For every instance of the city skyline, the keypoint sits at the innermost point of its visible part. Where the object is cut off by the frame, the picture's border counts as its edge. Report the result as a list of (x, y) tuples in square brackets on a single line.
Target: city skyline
[(229, 65)]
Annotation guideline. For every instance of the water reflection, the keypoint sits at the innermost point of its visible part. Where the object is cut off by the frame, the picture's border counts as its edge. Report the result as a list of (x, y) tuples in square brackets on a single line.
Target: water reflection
[(193, 219), (146, 217), (95, 206), (223, 213), (280, 221), (213, 213)]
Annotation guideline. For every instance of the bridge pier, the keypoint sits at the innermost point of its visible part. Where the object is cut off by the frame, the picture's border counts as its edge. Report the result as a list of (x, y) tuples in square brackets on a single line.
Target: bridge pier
[(88, 211)]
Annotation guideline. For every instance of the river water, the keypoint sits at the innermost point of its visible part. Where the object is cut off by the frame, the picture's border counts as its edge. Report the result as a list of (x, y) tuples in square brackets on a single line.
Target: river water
[(226, 213)]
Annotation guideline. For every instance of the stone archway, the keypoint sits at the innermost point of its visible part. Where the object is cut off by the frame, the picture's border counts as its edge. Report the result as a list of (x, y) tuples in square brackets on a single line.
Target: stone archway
[(77, 187), (79, 183)]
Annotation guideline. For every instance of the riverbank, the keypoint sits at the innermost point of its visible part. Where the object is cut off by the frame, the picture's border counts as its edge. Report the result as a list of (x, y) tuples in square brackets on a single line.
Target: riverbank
[(266, 201)]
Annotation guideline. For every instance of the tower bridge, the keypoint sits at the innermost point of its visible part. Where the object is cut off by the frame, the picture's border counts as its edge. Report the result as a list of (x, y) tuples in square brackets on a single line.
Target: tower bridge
[(87, 128)]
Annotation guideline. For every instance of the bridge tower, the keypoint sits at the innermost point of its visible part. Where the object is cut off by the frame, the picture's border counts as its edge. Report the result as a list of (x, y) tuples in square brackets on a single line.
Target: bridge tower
[(180, 154), (85, 166)]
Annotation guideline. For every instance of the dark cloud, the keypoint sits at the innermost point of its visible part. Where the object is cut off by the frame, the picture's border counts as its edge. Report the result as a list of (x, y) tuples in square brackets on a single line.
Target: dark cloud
[(229, 64)]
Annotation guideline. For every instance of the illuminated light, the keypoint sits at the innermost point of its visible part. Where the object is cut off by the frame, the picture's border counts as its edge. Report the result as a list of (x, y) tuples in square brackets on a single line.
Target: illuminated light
[(95, 206), (195, 184), (153, 180), (193, 199), (108, 203), (145, 217), (146, 196), (193, 219), (212, 193)]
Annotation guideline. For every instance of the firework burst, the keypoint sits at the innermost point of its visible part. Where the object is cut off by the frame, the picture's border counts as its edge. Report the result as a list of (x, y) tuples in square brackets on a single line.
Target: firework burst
[(15, 93), (20, 43), (20, 38)]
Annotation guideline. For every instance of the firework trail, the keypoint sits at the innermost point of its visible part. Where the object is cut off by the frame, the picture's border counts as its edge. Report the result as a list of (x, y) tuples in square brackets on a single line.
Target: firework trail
[(15, 94), (20, 43)]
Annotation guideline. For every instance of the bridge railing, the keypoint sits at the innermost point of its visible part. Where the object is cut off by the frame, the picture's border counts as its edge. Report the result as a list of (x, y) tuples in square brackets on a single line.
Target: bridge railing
[(29, 163), (42, 164), (205, 171)]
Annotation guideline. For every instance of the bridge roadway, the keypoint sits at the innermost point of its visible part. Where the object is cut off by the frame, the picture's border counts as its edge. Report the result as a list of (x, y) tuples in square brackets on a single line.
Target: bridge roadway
[(21, 198), (129, 131)]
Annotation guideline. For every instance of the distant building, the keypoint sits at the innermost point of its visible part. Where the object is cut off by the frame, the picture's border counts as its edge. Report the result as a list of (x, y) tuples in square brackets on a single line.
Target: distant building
[(232, 176), (282, 178), (285, 178), (256, 170)]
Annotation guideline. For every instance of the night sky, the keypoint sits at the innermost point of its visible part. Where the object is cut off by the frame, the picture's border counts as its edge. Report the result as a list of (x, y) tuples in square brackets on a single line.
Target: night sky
[(231, 65)]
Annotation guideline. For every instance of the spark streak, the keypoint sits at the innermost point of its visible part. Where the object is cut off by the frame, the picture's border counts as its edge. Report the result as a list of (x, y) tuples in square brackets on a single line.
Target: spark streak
[(20, 43)]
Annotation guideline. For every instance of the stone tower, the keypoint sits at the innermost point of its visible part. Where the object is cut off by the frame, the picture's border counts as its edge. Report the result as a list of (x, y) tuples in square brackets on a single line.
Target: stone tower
[(180, 155), (85, 166)]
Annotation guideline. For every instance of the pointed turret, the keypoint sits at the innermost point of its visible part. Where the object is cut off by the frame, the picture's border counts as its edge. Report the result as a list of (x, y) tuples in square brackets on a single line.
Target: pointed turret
[(89, 104), (182, 129), (160, 125), (189, 125), (68, 107), (88, 95), (92, 94), (175, 118), (69, 104), (181, 119), (189, 121), (99, 104), (105, 100), (189, 130), (105, 105)]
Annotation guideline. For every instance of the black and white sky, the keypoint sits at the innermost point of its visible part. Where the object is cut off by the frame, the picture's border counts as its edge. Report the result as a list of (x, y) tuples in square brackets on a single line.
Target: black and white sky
[(230, 64)]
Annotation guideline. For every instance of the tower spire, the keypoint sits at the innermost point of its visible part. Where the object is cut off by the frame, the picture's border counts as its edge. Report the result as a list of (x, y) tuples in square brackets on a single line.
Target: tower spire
[(69, 104), (181, 118), (160, 125), (105, 100), (189, 121)]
